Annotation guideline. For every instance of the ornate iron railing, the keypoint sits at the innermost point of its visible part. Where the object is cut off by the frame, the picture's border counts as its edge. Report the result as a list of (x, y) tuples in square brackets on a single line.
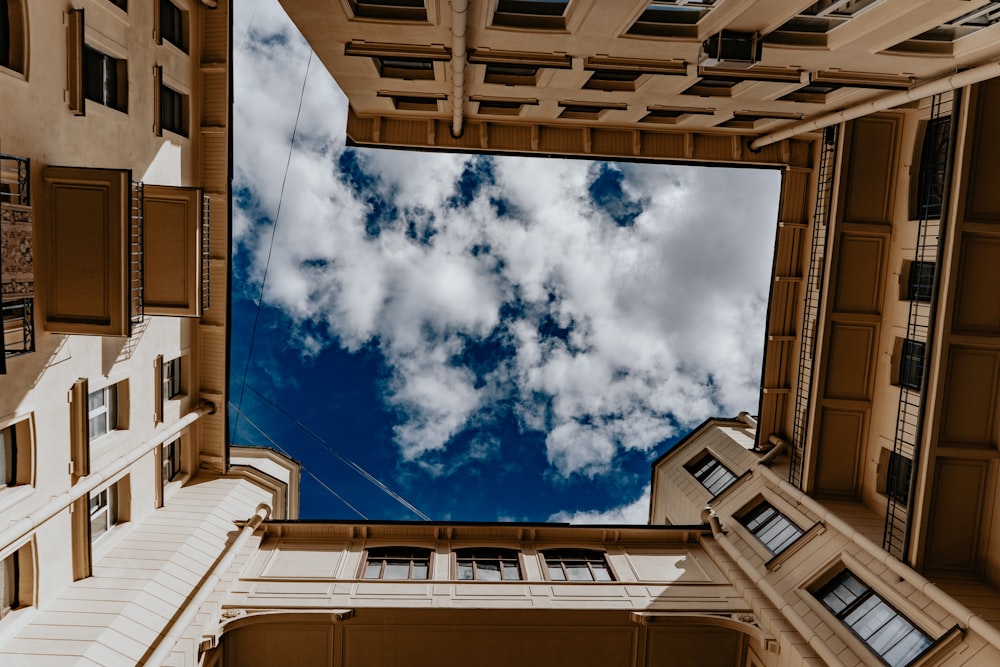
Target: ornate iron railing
[(206, 251), (813, 302), (136, 255), (15, 180), (935, 172)]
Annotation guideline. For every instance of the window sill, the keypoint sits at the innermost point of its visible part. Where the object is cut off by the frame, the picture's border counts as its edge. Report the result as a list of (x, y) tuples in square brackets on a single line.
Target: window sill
[(11, 495), (13, 73), (775, 563), (100, 547)]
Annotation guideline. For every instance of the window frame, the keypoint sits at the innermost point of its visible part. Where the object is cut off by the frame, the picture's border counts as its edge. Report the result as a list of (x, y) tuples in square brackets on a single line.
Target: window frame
[(777, 517), (109, 508), (108, 407), (474, 557), (170, 460), (530, 14), (397, 553), (898, 477), (13, 30), (696, 468), (574, 555), (8, 456), (11, 584), (862, 594), (173, 111), (172, 378), (912, 360), (389, 10), (405, 68), (173, 25), (671, 18), (920, 281)]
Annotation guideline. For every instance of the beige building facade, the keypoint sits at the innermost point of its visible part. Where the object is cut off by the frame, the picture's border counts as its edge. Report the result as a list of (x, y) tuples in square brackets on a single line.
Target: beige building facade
[(851, 522)]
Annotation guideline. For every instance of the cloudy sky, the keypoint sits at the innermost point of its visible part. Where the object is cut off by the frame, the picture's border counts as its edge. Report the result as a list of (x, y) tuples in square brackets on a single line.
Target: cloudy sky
[(493, 338)]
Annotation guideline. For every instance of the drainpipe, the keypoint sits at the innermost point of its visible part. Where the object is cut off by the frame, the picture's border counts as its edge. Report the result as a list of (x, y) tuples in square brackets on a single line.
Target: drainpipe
[(965, 616), (747, 419), (773, 596), (459, 27), (942, 85), (25, 525), (166, 644)]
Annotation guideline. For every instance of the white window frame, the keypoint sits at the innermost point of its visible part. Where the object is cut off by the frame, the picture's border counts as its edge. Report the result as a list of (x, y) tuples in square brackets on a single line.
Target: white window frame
[(103, 505), (108, 407), (172, 379)]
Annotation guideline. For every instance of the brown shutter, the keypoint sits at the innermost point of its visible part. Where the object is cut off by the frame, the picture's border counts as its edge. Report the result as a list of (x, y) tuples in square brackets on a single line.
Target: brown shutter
[(74, 61), (79, 425)]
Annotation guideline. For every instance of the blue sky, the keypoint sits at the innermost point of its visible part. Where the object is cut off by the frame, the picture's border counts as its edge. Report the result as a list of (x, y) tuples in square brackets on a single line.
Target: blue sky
[(493, 338)]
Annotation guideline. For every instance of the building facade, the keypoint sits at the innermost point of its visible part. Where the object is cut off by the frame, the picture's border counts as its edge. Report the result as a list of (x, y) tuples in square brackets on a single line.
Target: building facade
[(849, 523)]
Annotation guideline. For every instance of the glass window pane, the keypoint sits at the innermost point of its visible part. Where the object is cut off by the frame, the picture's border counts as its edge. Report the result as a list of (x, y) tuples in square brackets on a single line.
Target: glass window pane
[(511, 572), (397, 570), (556, 573), (98, 524), (95, 399), (7, 583), (488, 571), (578, 572), (907, 648), (373, 569), (601, 573), (869, 617), (420, 569), (465, 571)]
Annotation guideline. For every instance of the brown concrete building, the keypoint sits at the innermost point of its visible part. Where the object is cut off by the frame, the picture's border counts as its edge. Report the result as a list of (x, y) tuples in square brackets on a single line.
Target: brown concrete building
[(850, 523)]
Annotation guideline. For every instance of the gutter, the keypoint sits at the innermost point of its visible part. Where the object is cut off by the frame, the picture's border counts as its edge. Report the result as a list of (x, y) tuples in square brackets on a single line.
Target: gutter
[(935, 87), (459, 28)]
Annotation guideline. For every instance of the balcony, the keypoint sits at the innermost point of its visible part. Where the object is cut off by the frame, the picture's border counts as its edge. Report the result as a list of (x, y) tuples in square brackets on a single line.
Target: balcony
[(116, 251), (17, 283)]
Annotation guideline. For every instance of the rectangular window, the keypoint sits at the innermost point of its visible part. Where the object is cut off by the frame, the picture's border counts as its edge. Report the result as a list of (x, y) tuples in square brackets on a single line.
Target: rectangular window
[(612, 79), (102, 407), (120, 4), (103, 511), (670, 116), (173, 111), (825, 15), (712, 87), (405, 68), (920, 281), (532, 14), (105, 79), (170, 460), (509, 74), (955, 29), (414, 103), (583, 111), (9, 575), (487, 565), (897, 480), (172, 21), (8, 456), (931, 183), (713, 475), (911, 364), (502, 107), (671, 18), (813, 92), (891, 636), (771, 527), (172, 378), (397, 563), (390, 10), (576, 565)]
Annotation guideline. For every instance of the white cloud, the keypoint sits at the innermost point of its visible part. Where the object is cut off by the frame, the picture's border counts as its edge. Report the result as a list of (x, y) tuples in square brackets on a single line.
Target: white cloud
[(616, 335), (634, 513)]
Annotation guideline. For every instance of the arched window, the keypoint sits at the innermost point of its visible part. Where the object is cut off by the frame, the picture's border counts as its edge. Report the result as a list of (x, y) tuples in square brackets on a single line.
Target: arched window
[(487, 564), (13, 36), (577, 565), (397, 563)]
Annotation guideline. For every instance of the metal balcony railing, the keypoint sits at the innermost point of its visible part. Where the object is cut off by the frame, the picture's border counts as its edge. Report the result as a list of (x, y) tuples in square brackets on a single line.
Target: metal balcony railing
[(15, 181), (136, 255), (934, 175), (18, 316), (813, 302), (206, 254)]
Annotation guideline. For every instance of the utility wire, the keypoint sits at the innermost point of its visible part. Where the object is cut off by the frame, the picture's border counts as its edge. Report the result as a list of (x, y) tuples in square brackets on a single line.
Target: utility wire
[(274, 227), (308, 472), (340, 455)]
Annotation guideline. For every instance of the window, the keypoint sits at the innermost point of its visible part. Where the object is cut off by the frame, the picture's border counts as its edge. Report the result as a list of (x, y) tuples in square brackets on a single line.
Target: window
[(670, 116), (173, 111), (920, 281), (9, 575), (397, 563), (585, 111), (713, 475), (874, 621), (12, 35), (813, 92), (405, 68), (488, 107), (102, 407), (487, 564), (774, 530), (510, 74), (171, 378), (899, 471), (576, 565), (911, 364), (105, 79), (120, 4), (8, 456), (953, 30), (931, 183), (414, 103), (712, 87), (825, 15), (671, 18), (745, 120), (537, 14), (103, 511), (610, 79), (394, 10), (170, 460), (172, 28)]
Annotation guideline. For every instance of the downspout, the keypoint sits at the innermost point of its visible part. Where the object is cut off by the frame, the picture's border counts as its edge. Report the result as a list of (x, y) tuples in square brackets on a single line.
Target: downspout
[(166, 644), (459, 27), (25, 525), (966, 617), (815, 642), (942, 85)]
